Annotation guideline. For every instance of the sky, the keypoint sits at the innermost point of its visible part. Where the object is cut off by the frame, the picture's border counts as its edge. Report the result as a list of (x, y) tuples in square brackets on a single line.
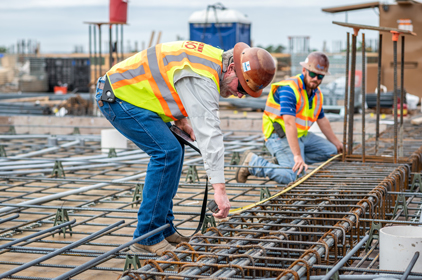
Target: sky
[(58, 25)]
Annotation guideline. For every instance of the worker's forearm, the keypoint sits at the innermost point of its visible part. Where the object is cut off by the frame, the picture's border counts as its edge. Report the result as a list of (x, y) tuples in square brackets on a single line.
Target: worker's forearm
[(219, 186), (291, 134)]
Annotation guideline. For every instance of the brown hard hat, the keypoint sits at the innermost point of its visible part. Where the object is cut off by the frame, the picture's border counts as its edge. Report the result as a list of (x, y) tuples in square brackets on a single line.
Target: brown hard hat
[(255, 68), (317, 62)]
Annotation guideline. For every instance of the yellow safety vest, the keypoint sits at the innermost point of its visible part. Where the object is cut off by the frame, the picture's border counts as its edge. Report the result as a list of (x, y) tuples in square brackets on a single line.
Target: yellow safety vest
[(146, 79), (305, 116)]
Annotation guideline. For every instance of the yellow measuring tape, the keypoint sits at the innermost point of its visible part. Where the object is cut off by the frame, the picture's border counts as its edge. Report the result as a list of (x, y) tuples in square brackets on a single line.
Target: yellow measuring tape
[(238, 210)]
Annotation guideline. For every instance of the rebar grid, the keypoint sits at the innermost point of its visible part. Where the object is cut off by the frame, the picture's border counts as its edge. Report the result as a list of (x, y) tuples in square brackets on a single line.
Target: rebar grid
[(26, 173), (289, 234), (288, 237)]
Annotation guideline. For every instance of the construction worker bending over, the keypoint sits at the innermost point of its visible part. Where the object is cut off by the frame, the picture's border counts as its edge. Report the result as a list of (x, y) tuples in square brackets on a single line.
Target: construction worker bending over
[(141, 95), (293, 105)]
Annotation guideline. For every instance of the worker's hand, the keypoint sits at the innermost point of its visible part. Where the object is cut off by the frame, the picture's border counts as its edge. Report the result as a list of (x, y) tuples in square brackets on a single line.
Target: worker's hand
[(184, 125), (299, 164), (339, 146), (223, 203)]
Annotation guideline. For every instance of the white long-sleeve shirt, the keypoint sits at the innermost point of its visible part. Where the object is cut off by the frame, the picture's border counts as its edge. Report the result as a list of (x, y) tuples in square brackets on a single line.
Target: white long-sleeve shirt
[(200, 96)]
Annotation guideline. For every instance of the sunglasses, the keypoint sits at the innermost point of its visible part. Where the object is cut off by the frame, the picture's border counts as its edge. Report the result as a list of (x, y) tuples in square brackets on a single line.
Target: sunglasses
[(240, 88), (313, 75)]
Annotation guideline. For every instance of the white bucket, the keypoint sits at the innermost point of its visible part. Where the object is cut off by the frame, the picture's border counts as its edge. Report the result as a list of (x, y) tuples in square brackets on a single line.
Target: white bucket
[(397, 247), (111, 138), (412, 101)]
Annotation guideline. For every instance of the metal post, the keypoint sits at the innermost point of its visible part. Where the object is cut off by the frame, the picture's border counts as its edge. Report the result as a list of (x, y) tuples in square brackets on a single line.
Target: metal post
[(363, 96), (99, 45), (90, 52), (352, 96), (117, 43), (59, 251), (110, 48), (121, 41), (401, 97), (346, 96), (402, 80), (395, 100), (95, 53), (377, 128)]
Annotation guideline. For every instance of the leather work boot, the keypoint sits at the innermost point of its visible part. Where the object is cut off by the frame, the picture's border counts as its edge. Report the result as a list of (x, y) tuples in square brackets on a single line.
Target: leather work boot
[(176, 238), (242, 173), (158, 248)]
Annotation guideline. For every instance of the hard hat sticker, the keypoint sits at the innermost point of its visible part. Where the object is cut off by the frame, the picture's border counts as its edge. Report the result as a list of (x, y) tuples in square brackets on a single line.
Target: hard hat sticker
[(246, 66)]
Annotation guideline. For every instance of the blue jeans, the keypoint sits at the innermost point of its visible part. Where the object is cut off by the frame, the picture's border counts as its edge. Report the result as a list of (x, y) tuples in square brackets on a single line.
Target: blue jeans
[(312, 147), (152, 135)]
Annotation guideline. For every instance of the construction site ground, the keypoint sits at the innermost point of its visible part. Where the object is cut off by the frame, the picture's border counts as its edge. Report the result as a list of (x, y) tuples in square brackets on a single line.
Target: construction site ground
[(27, 171)]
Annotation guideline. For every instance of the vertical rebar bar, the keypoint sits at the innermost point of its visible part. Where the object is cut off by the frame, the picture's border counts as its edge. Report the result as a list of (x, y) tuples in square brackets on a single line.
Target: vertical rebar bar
[(346, 96), (363, 96), (402, 80), (377, 127), (110, 46), (395, 100), (352, 96), (99, 46), (401, 97), (116, 49), (121, 41), (95, 53), (90, 53)]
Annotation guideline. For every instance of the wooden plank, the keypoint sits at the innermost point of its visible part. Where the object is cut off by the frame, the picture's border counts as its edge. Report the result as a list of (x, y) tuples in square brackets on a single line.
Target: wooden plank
[(26, 99), (416, 121), (378, 28), (351, 7)]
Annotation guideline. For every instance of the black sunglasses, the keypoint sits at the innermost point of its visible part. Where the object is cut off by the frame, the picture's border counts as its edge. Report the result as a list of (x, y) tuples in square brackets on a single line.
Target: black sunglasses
[(313, 75)]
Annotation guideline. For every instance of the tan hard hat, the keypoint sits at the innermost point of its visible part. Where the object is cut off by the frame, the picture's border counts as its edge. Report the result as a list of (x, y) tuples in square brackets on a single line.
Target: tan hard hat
[(317, 62), (255, 68)]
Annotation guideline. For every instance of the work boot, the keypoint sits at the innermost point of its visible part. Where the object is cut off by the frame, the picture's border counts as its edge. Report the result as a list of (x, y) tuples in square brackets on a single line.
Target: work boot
[(158, 248), (242, 173), (176, 238)]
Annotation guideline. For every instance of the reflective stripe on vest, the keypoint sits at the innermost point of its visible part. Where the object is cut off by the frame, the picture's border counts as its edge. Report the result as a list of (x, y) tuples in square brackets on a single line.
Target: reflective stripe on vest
[(129, 74), (305, 116), (146, 79)]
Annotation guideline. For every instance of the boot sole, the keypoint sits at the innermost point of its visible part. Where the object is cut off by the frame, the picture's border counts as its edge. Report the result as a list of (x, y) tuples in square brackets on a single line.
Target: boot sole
[(242, 159), (140, 251)]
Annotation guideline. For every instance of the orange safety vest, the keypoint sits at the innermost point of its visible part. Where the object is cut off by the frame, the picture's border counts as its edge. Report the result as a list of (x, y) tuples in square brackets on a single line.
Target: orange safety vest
[(305, 116), (146, 79)]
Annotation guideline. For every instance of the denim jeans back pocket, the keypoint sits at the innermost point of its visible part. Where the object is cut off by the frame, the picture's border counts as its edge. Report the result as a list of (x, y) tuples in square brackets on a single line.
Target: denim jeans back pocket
[(106, 109)]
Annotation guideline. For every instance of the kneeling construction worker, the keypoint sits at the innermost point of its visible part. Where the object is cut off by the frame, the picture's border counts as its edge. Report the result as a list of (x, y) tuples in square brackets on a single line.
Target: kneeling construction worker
[(293, 105), (141, 95)]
